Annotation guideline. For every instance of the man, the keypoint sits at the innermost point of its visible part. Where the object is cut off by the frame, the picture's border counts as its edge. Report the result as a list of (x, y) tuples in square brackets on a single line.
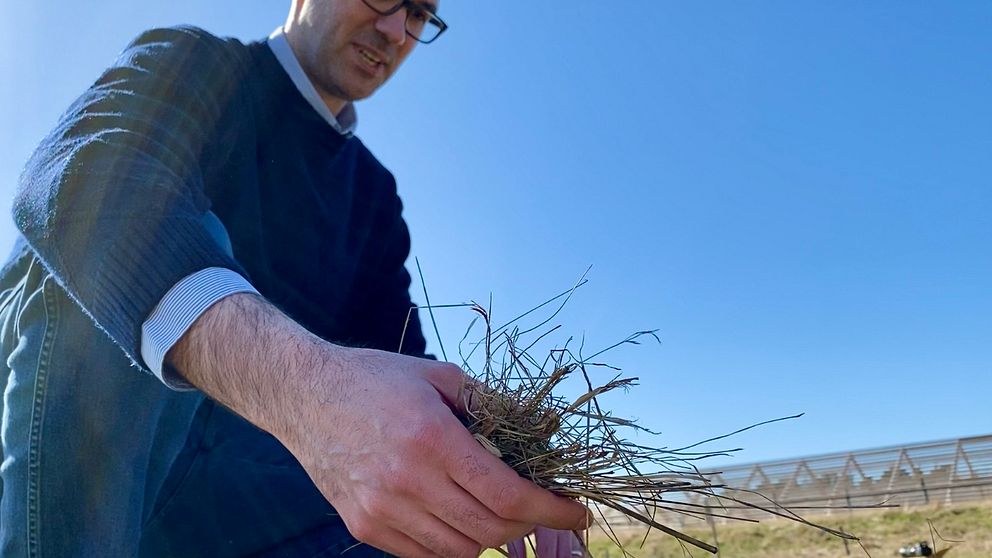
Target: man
[(197, 196)]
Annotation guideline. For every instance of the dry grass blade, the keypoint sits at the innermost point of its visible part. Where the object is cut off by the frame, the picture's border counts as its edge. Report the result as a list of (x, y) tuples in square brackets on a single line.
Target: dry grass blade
[(573, 447)]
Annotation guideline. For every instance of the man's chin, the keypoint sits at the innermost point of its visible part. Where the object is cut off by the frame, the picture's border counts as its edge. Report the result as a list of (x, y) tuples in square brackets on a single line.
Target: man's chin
[(362, 96), (349, 94), (363, 91)]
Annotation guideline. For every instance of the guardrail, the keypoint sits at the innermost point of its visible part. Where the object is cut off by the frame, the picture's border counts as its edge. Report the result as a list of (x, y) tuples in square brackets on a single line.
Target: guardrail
[(942, 472)]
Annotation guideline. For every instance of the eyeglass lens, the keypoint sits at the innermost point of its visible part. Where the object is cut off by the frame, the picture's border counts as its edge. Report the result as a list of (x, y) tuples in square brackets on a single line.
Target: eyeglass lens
[(420, 22)]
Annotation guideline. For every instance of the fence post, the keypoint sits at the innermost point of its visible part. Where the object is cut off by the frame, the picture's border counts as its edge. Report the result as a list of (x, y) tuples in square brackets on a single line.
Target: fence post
[(850, 513), (712, 522)]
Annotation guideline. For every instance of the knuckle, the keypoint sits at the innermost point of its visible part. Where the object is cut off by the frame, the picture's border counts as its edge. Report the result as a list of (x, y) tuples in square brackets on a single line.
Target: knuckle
[(450, 368), (401, 481), (453, 369), (362, 530), (473, 467), (447, 548), (507, 502), (424, 435), (377, 504), (486, 533)]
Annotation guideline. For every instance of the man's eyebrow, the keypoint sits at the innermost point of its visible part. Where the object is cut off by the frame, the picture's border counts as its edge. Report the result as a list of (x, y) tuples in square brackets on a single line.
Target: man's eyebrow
[(429, 6)]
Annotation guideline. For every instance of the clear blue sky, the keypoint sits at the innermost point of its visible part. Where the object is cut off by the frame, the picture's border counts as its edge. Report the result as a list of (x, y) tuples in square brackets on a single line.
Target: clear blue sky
[(798, 195)]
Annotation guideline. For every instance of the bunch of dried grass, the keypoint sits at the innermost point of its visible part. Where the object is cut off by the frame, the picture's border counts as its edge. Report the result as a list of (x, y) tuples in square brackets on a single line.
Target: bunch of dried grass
[(574, 447)]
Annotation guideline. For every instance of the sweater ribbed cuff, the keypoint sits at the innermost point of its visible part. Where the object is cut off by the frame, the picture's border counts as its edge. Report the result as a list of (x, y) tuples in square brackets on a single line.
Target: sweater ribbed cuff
[(142, 267)]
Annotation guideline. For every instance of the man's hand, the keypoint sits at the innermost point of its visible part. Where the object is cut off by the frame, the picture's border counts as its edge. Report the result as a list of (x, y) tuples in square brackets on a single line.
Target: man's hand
[(374, 430)]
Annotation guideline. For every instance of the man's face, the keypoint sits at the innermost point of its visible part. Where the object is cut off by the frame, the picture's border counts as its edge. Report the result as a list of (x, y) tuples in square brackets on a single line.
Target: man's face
[(347, 49)]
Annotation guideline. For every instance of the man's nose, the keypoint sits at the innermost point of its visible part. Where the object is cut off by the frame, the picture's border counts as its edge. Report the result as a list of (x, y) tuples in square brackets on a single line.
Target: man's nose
[(393, 27)]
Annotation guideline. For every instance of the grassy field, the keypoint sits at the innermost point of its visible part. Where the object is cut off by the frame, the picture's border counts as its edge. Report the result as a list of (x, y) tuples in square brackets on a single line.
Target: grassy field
[(882, 533)]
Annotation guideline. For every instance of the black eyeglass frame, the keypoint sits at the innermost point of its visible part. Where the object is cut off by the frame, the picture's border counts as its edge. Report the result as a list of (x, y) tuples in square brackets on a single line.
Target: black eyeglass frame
[(400, 4)]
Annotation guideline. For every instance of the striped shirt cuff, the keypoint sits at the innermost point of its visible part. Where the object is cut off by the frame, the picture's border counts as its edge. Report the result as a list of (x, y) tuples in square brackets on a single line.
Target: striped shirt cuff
[(176, 312)]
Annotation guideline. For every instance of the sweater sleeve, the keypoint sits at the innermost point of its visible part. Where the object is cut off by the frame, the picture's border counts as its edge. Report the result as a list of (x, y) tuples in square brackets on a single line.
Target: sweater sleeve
[(112, 201)]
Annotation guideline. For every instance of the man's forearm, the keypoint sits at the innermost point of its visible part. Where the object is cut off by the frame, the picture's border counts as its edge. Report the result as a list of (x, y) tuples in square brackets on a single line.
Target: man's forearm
[(375, 431), (246, 354)]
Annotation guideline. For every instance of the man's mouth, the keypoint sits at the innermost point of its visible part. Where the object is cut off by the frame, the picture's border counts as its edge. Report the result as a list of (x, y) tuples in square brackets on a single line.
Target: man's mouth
[(370, 57)]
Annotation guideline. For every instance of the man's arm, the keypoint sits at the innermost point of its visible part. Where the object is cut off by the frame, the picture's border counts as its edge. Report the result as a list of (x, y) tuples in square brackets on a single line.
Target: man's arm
[(374, 430), (113, 199), (247, 355)]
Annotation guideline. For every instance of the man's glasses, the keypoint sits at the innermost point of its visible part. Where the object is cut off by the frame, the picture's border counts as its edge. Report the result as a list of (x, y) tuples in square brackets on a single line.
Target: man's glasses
[(421, 23)]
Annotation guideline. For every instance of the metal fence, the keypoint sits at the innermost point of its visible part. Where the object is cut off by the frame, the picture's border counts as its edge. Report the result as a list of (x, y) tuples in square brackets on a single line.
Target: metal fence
[(943, 472)]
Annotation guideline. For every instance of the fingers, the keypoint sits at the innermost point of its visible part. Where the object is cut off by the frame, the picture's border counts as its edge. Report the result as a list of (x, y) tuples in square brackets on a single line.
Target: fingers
[(500, 489), (489, 480), (436, 535), (407, 531), (468, 516), (398, 544)]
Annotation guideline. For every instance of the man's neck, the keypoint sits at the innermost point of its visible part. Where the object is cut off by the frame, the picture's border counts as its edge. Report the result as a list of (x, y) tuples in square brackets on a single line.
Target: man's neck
[(338, 112), (334, 103)]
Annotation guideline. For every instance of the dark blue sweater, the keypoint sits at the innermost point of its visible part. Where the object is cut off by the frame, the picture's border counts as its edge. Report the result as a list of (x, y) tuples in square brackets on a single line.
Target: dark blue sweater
[(112, 202)]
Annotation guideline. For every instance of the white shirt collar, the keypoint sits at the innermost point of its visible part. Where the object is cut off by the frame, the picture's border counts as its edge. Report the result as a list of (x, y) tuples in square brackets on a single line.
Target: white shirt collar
[(346, 121)]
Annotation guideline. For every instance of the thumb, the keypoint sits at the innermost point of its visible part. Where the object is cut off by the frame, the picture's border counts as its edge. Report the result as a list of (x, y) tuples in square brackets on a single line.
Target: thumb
[(458, 389)]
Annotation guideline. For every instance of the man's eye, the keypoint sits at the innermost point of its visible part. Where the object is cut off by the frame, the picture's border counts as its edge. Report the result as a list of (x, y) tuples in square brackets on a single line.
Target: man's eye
[(420, 14)]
